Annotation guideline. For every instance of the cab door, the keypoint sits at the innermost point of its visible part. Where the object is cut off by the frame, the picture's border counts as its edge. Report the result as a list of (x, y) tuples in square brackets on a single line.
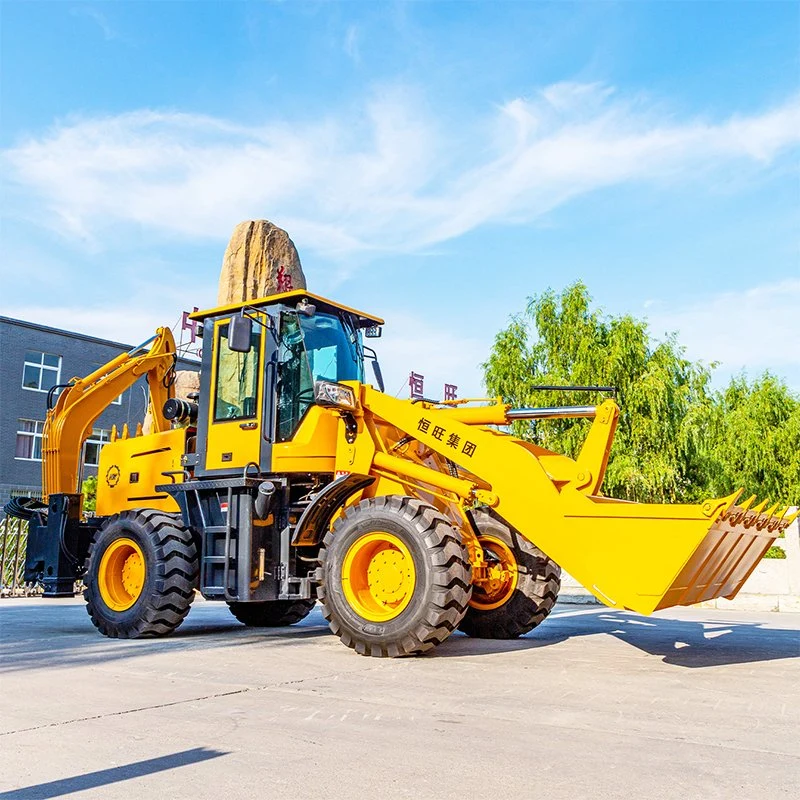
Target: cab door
[(235, 415)]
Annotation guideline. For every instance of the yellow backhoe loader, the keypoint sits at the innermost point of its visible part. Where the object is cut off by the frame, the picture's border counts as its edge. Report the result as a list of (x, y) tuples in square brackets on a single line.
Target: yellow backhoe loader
[(289, 478)]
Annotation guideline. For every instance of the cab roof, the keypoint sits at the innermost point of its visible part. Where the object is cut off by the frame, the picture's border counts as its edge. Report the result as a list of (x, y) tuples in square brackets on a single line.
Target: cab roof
[(290, 298)]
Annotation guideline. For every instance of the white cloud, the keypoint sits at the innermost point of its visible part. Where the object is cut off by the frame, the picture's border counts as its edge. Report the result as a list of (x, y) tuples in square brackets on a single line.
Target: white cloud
[(351, 43), (752, 329), (129, 317), (410, 342), (385, 177), (98, 18), (131, 327)]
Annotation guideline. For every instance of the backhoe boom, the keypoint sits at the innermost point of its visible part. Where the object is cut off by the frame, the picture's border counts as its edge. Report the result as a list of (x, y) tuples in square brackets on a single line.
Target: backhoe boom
[(69, 423)]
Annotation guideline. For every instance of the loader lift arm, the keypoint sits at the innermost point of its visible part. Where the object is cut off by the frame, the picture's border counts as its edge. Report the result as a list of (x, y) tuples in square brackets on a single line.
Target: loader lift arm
[(69, 422), (640, 557)]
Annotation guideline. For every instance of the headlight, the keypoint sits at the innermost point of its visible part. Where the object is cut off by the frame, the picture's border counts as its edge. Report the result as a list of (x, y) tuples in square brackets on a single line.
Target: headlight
[(334, 394)]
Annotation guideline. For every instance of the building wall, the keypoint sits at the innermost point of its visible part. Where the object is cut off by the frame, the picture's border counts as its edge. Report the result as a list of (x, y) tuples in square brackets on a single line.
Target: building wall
[(80, 355)]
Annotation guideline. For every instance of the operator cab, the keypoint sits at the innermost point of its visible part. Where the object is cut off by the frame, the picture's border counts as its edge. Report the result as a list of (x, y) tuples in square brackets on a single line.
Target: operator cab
[(266, 364)]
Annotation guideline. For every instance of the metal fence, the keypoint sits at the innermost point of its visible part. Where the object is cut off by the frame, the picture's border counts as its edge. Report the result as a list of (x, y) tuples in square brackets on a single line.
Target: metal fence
[(13, 538)]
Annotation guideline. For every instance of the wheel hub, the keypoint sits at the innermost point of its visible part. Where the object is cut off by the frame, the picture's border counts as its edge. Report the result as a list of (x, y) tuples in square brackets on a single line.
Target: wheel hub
[(387, 575), (499, 579), (378, 576), (133, 574), (121, 575)]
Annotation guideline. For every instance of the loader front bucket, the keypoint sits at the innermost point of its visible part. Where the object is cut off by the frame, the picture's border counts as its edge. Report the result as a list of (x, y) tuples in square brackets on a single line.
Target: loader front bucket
[(649, 557)]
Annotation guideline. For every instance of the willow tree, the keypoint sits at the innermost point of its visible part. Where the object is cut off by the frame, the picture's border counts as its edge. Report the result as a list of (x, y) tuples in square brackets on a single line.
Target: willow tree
[(660, 452), (754, 440)]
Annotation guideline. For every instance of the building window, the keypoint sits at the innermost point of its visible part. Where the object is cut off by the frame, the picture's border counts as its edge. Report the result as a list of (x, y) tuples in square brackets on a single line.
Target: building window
[(29, 440), (42, 371), (36, 494), (94, 444)]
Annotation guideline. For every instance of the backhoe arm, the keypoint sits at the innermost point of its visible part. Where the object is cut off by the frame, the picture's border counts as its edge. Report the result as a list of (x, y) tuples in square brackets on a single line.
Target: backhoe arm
[(70, 422)]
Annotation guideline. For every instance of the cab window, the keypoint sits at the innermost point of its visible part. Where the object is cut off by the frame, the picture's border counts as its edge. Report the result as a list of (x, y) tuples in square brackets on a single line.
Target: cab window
[(236, 395), (295, 382), (320, 347)]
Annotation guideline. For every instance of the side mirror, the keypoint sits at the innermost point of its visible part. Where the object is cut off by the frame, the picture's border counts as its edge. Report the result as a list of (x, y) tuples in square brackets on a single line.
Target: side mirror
[(376, 369), (240, 333), (373, 332)]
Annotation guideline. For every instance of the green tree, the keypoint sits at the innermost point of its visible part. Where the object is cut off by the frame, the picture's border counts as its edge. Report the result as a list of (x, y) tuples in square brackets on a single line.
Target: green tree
[(677, 440), (89, 489), (754, 440), (658, 453)]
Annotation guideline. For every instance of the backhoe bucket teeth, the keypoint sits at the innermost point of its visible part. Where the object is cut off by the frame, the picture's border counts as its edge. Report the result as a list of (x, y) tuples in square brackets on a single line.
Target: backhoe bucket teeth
[(650, 557)]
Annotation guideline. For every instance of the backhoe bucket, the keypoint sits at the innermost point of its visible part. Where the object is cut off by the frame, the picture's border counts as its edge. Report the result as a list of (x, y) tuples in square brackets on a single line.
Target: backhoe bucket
[(649, 557)]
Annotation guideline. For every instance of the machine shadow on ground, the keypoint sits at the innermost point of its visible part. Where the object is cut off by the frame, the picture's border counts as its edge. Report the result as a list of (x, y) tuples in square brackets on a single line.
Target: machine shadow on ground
[(105, 777), (55, 636), (681, 643), (59, 636)]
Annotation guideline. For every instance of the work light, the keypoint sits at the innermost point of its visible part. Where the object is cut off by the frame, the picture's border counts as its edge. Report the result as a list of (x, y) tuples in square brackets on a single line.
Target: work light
[(327, 393)]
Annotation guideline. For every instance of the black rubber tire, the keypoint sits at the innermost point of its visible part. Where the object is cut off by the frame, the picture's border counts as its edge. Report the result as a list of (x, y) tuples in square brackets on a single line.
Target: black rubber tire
[(442, 568), (273, 613), (538, 584), (171, 572)]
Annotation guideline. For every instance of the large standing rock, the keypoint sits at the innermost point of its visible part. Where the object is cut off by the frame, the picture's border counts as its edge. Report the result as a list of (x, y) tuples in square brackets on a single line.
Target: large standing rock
[(186, 382), (260, 260)]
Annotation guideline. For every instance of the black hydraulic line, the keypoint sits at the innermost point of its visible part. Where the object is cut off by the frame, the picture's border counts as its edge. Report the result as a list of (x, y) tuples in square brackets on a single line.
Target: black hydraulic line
[(612, 390), (50, 401), (23, 507)]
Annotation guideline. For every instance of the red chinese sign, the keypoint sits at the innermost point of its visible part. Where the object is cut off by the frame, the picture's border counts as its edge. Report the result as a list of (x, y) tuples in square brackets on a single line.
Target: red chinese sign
[(190, 324), (416, 387), (284, 280)]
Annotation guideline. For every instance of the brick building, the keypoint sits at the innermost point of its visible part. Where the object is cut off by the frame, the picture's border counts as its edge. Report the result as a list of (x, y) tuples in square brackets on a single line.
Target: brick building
[(33, 359)]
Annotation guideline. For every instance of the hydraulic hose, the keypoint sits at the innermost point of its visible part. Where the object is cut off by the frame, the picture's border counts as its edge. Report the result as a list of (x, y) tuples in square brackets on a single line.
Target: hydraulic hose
[(23, 507)]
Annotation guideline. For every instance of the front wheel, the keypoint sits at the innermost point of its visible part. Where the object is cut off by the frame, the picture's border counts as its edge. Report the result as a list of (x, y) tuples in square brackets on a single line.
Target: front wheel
[(140, 574), (394, 577), (520, 588)]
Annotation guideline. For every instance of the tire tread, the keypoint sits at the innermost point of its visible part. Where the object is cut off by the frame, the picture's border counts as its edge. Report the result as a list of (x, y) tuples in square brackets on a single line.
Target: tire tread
[(451, 586), (177, 569)]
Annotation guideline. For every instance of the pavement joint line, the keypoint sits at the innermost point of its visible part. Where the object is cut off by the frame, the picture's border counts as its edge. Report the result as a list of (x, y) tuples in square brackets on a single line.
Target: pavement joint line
[(245, 690), (436, 716), (281, 684)]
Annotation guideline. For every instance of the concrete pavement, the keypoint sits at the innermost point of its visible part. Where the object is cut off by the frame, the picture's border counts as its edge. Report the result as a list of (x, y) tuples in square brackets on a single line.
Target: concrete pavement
[(594, 703)]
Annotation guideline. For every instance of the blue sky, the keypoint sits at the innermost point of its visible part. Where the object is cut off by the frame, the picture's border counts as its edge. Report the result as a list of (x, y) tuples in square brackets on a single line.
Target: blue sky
[(435, 163)]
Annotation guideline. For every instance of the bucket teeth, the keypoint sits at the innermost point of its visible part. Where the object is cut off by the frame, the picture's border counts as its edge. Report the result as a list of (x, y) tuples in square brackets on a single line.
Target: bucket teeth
[(736, 514), (766, 517), (753, 514), (745, 514), (776, 520)]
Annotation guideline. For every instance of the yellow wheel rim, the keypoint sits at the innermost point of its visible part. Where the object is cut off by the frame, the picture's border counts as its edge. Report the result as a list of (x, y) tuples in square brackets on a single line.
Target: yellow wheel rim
[(121, 574), (501, 575), (378, 576)]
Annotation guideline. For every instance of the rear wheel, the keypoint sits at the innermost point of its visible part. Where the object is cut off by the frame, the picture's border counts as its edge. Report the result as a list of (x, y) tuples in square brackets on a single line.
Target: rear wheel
[(394, 578), (521, 588), (273, 613), (140, 574)]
